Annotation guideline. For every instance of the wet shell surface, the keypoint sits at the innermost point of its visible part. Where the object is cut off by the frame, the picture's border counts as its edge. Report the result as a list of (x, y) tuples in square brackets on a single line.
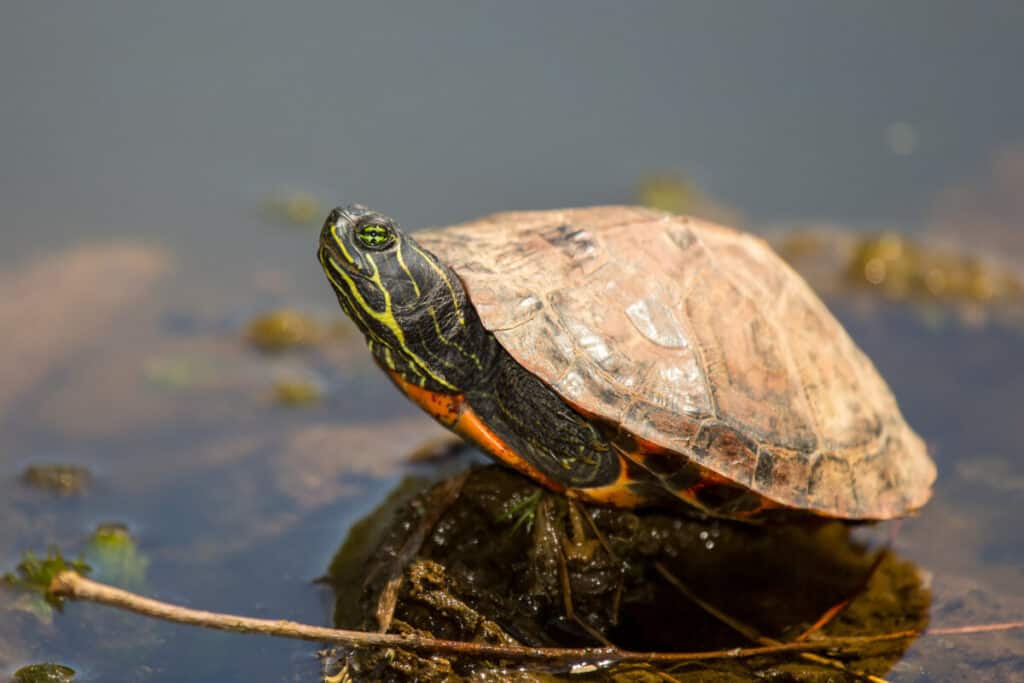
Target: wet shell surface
[(697, 338)]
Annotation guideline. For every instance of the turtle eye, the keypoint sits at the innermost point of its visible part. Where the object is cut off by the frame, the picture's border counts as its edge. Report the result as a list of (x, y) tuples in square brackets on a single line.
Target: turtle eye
[(375, 236)]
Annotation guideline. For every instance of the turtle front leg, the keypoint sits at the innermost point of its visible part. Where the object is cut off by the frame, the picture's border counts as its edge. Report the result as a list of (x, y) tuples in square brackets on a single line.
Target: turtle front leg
[(544, 435), (548, 554)]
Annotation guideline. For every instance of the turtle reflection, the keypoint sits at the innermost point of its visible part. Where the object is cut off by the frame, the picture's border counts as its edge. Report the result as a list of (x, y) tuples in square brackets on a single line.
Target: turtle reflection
[(491, 571)]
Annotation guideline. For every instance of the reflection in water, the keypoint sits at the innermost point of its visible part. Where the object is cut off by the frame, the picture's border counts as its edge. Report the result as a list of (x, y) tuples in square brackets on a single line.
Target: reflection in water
[(492, 569)]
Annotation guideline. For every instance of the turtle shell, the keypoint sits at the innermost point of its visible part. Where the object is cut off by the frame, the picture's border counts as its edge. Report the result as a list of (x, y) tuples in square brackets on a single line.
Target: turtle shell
[(699, 339)]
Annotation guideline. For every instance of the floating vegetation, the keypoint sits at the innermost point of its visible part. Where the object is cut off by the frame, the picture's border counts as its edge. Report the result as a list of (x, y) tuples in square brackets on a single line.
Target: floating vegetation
[(298, 208), (113, 552), (44, 673), (35, 573), (676, 193), (902, 268), (178, 372), (59, 478), (283, 329), (668, 192), (297, 392), (906, 269)]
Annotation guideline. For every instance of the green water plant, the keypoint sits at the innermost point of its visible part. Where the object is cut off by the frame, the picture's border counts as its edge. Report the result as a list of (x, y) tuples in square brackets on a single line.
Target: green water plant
[(35, 574)]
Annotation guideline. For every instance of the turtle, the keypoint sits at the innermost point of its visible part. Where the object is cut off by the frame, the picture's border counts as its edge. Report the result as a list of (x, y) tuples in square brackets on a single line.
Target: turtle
[(630, 357)]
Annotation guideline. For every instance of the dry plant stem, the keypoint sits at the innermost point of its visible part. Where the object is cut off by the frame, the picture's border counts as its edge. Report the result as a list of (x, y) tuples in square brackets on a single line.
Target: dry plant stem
[(978, 628), (751, 633), (71, 585), (746, 631), (585, 514), (837, 609), (435, 505)]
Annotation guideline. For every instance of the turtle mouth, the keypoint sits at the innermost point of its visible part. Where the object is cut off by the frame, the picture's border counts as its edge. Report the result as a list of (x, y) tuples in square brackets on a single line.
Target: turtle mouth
[(332, 264), (333, 250)]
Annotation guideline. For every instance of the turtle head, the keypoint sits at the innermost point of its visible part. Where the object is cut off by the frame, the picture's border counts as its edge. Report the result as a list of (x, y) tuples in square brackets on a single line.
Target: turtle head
[(373, 265), (405, 301), (359, 243)]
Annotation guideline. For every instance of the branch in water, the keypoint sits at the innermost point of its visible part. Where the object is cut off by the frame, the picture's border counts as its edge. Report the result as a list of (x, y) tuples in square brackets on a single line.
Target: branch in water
[(69, 584)]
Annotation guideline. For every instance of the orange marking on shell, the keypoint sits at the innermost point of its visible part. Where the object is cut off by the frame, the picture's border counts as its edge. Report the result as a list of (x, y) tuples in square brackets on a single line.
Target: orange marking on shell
[(618, 494), (708, 477)]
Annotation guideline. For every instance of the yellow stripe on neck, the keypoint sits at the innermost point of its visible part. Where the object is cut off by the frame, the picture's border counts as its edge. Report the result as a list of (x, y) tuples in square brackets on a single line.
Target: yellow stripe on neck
[(385, 317)]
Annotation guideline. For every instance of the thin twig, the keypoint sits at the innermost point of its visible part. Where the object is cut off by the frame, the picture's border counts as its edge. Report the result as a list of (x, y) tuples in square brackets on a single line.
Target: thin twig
[(747, 632), (69, 584), (585, 514), (751, 633), (978, 628), (838, 608)]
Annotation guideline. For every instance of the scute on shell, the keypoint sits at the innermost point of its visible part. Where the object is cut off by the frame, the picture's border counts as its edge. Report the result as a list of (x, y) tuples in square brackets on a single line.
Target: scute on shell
[(700, 339)]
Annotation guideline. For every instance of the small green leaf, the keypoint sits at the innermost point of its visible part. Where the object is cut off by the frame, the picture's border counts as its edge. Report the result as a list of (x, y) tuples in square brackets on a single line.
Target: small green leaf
[(35, 574)]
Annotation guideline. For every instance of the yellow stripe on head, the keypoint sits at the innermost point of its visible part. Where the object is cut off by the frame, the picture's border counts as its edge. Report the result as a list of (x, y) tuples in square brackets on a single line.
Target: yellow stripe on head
[(444, 276), (341, 245), (401, 262), (385, 317)]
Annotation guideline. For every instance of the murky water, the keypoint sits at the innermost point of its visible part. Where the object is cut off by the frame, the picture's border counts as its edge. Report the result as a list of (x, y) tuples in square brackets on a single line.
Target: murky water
[(139, 149)]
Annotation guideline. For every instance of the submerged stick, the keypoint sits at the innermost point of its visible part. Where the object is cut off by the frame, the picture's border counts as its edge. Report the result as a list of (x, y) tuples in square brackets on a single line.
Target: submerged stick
[(752, 634), (68, 584), (837, 609)]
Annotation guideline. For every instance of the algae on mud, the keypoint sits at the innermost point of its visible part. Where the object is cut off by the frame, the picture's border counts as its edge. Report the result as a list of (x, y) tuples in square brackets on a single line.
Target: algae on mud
[(481, 576)]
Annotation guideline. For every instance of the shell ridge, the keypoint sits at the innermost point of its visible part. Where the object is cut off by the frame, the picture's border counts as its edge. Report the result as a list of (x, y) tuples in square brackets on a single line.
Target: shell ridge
[(828, 453), (743, 286), (792, 369), (698, 346)]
